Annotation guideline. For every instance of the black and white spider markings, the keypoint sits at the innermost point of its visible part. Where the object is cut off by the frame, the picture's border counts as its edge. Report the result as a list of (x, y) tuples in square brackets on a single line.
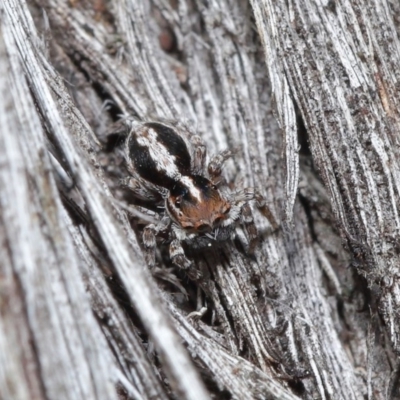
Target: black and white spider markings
[(167, 163)]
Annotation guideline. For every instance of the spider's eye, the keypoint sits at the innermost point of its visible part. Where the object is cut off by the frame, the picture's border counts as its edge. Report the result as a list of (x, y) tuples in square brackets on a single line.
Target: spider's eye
[(178, 203), (214, 187)]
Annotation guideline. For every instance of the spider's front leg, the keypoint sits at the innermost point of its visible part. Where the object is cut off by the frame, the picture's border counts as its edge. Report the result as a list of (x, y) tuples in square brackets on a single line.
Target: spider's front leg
[(149, 238), (217, 162), (199, 154), (240, 198), (249, 226), (177, 254), (261, 204)]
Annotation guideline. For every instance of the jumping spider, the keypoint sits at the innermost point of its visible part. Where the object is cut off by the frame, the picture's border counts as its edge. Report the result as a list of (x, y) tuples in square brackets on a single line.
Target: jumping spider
[(167, 164)]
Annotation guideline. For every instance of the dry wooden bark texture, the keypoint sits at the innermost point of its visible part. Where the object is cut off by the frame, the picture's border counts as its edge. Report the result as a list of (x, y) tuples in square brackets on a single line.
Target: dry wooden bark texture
[(307, 91)]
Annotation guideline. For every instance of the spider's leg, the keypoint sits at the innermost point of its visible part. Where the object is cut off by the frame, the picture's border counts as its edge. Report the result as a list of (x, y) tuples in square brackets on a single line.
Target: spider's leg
[(241, 197), (217, 162), (261, 204), (150, 233), (177, 254), (249, 226), (142, 189), (198, 155)]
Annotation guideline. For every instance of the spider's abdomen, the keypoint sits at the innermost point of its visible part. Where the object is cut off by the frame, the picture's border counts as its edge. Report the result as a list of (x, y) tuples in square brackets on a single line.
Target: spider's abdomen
[(158, 154)]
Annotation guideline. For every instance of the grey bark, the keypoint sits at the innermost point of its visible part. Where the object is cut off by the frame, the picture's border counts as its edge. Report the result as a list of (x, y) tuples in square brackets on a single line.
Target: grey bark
[(307, 92)]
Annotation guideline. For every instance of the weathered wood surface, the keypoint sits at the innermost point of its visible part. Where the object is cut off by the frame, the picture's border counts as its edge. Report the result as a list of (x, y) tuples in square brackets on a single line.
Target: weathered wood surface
[(308, 93)]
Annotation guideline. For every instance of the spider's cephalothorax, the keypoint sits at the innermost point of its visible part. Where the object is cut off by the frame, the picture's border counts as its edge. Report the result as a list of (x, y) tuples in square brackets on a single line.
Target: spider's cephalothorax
[(167, 160)]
